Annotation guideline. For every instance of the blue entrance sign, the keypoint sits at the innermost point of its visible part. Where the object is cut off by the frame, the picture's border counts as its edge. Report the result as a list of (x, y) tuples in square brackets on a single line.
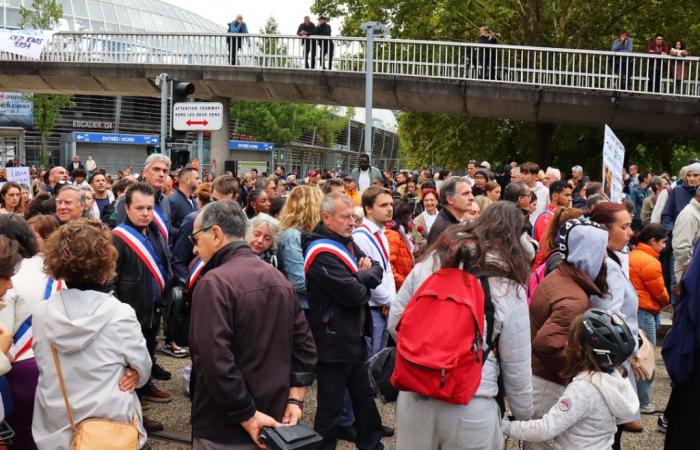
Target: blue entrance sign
[(106, 138), (250, 145)]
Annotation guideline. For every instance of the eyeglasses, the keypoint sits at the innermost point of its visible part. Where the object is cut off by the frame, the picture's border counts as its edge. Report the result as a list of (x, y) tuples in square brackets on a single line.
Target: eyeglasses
[(193, 236)]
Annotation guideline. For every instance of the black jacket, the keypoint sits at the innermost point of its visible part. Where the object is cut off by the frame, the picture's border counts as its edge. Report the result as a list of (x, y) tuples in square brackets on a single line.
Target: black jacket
[(134, 283), (444, 220), (183, 249), (310, 29), (249, 341), (161, 200), (339, 300), (180, 206)]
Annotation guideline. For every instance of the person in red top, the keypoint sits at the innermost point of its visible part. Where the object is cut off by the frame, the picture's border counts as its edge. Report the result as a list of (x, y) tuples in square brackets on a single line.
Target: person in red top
[(559, 197), (656, 67)]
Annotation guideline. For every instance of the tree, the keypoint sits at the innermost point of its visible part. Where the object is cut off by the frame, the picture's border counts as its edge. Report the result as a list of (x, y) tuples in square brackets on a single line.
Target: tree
[(438, 140), (44, 15)]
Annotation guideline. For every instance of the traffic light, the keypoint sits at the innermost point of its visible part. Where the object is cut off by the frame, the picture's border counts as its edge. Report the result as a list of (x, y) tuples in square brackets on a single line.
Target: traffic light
[(179, 91), (151, 149)]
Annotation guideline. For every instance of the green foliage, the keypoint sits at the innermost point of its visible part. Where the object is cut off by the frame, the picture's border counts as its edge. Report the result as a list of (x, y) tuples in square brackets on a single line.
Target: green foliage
[(45, 15), (438, 140), (282, 123)]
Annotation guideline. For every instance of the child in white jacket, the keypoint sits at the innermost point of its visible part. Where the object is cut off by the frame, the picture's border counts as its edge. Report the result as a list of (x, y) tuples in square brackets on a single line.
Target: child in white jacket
[(584, 416)]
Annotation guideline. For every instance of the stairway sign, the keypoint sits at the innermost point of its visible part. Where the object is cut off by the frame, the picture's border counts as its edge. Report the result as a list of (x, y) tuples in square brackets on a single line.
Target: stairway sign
[(198, 116)]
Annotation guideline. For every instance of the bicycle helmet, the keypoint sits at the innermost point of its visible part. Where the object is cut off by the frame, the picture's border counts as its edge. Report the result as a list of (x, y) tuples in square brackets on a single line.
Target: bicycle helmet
[(610, 337)]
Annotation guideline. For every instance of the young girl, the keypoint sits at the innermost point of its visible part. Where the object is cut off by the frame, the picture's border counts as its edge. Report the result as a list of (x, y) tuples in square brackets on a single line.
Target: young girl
[(584, 416)]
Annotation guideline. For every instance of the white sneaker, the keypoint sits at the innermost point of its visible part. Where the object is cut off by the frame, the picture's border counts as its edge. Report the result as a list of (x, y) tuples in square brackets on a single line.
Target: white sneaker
[(647, 409)]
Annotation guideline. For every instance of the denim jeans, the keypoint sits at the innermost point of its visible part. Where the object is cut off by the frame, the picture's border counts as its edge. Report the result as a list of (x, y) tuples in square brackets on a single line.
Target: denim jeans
[(647, 322), (380, 336)]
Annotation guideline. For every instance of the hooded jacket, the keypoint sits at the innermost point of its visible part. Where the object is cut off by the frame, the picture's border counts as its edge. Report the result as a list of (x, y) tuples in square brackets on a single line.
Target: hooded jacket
[(338, 299), (584, 416), (562, 296), (96, 337)]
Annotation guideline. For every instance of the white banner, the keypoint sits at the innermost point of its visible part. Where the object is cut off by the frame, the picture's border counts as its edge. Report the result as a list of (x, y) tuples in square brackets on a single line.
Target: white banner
[(29, 43), (613, 164), (19, 175)]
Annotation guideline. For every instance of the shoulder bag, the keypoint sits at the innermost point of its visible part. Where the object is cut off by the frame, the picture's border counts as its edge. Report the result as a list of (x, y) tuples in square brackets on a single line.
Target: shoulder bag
[(97, 434), (646, 359)]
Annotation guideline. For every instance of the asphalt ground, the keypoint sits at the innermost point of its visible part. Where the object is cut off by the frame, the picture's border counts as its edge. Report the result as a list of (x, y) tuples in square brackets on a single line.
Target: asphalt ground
[(175, 415)]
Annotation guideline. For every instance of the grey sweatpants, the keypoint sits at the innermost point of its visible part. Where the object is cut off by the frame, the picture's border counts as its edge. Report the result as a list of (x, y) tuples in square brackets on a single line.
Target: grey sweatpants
[(427, 424), (545, 394)]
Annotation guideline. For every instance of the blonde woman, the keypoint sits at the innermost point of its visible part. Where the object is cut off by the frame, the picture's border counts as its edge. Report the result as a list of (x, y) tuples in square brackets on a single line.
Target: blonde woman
[(301, 213)]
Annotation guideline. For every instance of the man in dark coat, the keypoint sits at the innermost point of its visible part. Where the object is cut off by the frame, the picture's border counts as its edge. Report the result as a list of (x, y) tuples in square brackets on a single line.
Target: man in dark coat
[(252, 351), (338, 282), (182, 201), (306, 30), (456, 198)]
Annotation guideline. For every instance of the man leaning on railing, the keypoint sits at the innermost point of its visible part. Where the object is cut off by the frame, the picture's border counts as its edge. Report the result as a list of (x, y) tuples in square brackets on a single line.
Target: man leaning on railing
[(622, 44), (235, 43)]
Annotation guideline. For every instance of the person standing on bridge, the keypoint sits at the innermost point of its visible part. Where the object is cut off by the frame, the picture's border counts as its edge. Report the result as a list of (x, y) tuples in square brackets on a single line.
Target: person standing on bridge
[(622, 44), (305, 30), (487, 56), (656, 66), (235, 43), (326, 46)]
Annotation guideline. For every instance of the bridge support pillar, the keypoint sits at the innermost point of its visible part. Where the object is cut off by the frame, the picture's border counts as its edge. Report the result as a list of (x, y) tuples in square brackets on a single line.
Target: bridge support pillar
[(219, 140)]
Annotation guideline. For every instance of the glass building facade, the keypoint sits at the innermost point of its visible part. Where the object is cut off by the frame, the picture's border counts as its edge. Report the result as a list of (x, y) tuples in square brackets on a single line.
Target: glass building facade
[(116, 16)]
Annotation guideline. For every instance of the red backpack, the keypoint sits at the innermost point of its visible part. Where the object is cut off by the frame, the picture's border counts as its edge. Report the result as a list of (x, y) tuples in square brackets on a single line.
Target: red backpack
[(439, 347)]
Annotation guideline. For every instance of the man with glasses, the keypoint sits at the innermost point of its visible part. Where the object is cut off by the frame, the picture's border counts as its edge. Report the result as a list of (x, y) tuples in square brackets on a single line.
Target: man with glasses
[(143, 271), (253, 354)]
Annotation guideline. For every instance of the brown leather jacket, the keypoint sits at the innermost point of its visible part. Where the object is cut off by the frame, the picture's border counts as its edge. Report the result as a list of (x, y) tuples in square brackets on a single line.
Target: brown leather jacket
[(562, 296)]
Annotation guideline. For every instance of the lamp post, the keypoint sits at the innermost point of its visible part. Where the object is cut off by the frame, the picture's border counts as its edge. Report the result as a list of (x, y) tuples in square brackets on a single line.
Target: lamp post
[(373, 29)]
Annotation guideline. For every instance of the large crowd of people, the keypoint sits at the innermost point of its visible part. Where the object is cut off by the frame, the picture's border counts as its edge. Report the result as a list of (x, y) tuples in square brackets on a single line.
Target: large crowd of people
[(273, 282)]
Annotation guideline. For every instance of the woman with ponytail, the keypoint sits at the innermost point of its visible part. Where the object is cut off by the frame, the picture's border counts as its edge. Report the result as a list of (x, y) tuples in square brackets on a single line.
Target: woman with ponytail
[(647, 278)]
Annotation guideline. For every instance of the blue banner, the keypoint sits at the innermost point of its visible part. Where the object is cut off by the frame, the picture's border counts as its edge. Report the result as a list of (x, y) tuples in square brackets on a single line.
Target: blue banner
[(107, 138), (250, 145), (16, 110)]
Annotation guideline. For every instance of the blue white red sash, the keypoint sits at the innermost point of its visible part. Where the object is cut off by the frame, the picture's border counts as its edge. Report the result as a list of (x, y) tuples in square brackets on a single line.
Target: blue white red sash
[(161, 222), (23, 337), (327, 245), (376, 241), (195, 273), (144, 250)]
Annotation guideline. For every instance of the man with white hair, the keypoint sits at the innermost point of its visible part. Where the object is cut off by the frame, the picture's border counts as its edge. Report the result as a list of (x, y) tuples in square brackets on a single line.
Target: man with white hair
[(70, 203), (551, 175)]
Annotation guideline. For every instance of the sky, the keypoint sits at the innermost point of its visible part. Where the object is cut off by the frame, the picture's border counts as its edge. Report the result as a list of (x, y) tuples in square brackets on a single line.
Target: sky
[(288, 13)]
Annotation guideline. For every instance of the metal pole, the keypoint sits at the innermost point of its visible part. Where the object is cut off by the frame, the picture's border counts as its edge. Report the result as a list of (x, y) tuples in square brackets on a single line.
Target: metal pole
[(369, 66), (164, 110), (200, 152)]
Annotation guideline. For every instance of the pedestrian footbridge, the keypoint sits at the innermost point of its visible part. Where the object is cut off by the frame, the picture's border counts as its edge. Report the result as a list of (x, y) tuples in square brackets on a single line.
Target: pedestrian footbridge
[(551, 85)]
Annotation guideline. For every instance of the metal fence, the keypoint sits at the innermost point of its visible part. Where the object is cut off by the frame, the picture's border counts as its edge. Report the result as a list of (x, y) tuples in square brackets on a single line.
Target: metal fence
[(538, 66)]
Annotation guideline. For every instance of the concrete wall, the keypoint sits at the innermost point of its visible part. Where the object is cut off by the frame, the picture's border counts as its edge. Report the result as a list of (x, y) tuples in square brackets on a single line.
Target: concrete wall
[(481, 99)]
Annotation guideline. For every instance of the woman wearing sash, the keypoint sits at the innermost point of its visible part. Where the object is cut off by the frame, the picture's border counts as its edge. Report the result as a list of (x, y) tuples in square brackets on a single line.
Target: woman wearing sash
[(31, 286)]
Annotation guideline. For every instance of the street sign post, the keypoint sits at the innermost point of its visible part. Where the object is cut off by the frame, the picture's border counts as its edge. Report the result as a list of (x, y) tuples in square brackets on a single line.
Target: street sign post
[(198, 116)]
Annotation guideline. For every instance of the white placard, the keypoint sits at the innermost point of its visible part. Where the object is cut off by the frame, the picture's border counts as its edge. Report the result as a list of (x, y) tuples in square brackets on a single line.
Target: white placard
[(613, 164), (29, 43), (198, 116), (19, 175)]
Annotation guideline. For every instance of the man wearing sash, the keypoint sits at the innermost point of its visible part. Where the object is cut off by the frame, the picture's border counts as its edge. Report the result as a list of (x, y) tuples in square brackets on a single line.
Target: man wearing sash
[(339, 278), (155, 172), (143, 270), (377, 204)]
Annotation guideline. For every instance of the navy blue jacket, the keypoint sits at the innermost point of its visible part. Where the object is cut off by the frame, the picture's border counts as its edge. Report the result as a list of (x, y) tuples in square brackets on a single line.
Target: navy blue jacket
[(182, 249), (180, 206), (678, 199)]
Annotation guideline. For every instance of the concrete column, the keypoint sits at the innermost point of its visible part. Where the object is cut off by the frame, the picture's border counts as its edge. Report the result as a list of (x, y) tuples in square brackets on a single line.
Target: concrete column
[(219, 140)]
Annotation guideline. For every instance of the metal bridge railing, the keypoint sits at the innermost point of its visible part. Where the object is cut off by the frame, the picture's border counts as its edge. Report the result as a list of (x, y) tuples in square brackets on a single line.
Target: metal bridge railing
[(537, 66)]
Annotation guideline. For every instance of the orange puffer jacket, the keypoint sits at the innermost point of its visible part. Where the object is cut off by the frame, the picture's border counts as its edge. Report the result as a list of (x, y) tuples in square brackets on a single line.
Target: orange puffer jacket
[(647, 278), (399, 255)]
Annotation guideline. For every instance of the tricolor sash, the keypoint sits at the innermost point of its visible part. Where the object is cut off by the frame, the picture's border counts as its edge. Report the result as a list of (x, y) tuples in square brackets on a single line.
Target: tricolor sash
[(23, 337), (376, 240), (330, 246), (144, 250), (195, 273), (162, 223)]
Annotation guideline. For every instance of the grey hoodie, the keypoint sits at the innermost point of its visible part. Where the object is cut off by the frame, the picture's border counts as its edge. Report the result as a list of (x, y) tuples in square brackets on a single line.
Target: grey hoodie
[(584, 416), (96, 337)]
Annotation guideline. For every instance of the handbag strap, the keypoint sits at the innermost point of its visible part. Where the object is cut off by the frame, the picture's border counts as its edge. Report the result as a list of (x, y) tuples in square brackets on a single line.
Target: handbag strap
[(57, 363)]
